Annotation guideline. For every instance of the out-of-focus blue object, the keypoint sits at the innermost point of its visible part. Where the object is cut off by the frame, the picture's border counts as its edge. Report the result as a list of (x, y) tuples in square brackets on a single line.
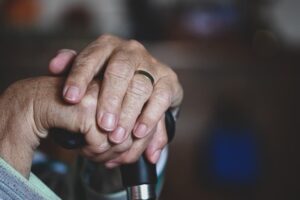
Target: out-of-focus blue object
[(211, 21), (231, 154), (234, 156)]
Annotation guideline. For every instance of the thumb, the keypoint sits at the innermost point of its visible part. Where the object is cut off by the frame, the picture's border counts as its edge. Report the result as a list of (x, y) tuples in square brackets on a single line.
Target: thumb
[(52, 111), (62, 61)]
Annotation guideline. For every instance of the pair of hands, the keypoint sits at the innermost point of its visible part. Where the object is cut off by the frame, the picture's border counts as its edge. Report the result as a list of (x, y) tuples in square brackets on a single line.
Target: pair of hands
[(121, 116)]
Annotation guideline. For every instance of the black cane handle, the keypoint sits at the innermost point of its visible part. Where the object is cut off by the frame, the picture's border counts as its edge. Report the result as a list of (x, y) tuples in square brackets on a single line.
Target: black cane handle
[(138, 173), (142, 171)]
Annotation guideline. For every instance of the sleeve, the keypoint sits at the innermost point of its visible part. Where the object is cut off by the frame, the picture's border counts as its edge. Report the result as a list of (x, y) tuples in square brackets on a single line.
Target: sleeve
[(13, 186)]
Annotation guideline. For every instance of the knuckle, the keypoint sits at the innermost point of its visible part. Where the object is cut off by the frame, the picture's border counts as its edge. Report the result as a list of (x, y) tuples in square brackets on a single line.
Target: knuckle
[(99, 148), (134, 44), (153, 60), (105, 38), (167, 71), (81, 121), (86, 107), (84, 119), (88, 103), (114, 75), (170, 72), (125, 146), (149, 118), (163, 97), (119, 69), (162, 140), (138, 88), (94, 153)]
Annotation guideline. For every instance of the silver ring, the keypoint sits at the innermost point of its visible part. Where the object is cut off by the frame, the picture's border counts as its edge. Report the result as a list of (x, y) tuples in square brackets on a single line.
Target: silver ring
[(146, 74)]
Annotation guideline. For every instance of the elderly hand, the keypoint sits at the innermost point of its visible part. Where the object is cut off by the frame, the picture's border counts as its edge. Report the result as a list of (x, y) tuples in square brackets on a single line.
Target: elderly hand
[(30, 108), (128, 101)]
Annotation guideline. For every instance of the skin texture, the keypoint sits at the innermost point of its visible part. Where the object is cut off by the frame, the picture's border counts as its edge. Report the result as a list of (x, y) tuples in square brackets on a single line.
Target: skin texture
[(121, 116), (29, 108), (127, 102)]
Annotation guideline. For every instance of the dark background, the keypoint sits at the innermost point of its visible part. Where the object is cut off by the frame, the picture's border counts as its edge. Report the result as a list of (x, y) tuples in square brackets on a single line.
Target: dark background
[(241, 53)]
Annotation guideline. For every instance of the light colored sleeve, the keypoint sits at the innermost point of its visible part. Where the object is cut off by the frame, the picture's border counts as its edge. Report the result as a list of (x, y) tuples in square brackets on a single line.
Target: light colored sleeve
[(13, 186)]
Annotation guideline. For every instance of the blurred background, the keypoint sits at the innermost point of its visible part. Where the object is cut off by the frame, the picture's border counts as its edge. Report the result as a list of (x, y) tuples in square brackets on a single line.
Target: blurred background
[(238, 61)]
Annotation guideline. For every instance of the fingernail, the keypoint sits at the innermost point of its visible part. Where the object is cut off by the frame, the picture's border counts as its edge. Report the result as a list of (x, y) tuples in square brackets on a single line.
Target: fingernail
[(71, 93), (156, 156), (108, 121), (118, 135), (140, 131), (111, 165)]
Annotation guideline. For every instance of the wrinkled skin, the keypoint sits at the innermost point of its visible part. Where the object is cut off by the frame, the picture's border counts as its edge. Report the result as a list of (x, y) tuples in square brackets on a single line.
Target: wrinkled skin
[(29, 108), (121, 117), (129, 106)]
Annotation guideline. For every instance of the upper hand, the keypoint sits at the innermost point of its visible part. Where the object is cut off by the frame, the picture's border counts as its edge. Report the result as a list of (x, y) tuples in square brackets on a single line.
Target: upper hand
[(127, 102)]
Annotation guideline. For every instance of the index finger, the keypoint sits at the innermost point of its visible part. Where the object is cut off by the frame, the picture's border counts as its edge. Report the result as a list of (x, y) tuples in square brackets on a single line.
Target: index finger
[(86, 66)]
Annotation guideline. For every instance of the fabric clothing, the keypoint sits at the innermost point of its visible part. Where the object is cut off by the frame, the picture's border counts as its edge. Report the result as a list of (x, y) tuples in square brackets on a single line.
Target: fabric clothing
[(13, 186)]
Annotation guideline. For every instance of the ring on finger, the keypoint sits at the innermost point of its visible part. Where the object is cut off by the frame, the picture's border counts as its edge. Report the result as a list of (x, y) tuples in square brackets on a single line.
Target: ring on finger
[(146, 74)]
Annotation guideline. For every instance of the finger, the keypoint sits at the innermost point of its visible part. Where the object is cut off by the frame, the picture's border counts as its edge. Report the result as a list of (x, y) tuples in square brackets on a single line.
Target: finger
[(134, 153), (95, 140), (76, 118), (157, 105), (62, 61), (86, 65), (158, 142), (117, 76), (138, 92), (112, 153), (119, 72)]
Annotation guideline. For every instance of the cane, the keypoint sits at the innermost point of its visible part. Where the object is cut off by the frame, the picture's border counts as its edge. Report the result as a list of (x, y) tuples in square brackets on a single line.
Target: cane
[(139, 178)]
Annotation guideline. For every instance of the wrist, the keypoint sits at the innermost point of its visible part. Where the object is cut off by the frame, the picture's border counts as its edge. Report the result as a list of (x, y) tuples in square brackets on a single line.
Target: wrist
[(17, 127)]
